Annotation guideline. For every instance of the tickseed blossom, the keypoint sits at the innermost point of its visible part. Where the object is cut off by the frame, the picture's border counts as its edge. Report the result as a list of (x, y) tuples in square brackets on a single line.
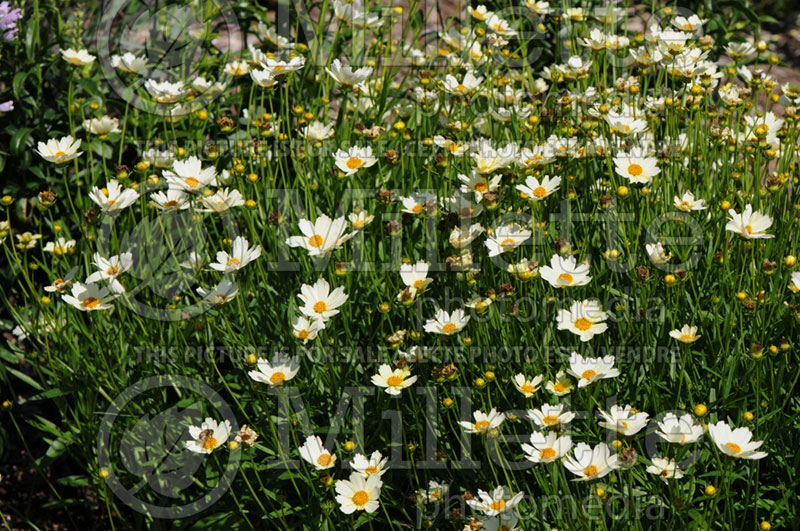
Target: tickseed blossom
[(319, 302), (626, 421), (60, 150), (314, 452), (637, 170), (561, 386), (189, 175), (679, 430), (483, 423), (90, 297), (281, 369), (113, 198), (322, 237), (170, 200), (109, 269), (550, 416), (735, 443), (546, 448), (359, 493), (591, 463), (657, 254), (77, 57), (225, 291), (209, 436), (241, 254), (665, 469), (374, 466), (506, 238), (393, 380), (687, 202), (447, 324), (584, 319), (60, 247), (527, 386), (306, 330), (499, 501), (590, 370), (749, 224), (354, 159), (102, 126), (687, 334), (535, 190), (345, 75), (415, 276), (128, 63), (564, 272)]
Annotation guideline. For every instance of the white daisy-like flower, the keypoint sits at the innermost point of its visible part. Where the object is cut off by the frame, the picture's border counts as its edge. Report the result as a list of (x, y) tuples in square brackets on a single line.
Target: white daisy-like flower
[(237, 68), (241, 254), (306, 330), (590, 370), (393, 380), (534, 190), (749, 224), (60, 150), (345, 75), (478, 184), (221, 201), (359, 220), (282, 68), (638, 170), (506, 238), (113, 198), (551, 415), (415, 276), (319, 302), (447, 324), (657, 254), (565, 272), (794, 284), (170, 200), (561, 386), (102, 126), (220, 294), (316, 131), (110, 268), (60, 247), (463, 238), (687, 334), (467, 86), (280, 370), (736, 443), (451, 146), (90, 297), (359, 493), (314, 452), (166, 92), (128, 62), (626, 421), (679, 430), (591, 463), (189, 175), (322, 237), (498, 502), (687, 202), (584, 319), (374, 466), (354, 159), (77, 57), (263, 78), (483, 423), (546, 448), (664, 468), (527, 386), (209, 436)]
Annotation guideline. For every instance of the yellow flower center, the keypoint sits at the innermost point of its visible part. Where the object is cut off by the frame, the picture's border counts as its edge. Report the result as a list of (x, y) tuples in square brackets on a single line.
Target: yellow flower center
[(361, 498), (191, 182), (583, 324), (172, 203), (749, 229), (59, 154), (371, 470), (547, 453), (461, 87), (394, 381), (448, 328), (315, 241), (527, 388), (113, 270), (320, 306), (635, 170), (481, 425), (481, 187), (209, 443), (302, 334), (558, 387), (566, 277), (277, 68), (418, 283), (550, 419), (233, 261), (498, 505), (277, 377), (588, 374), (452, 146), (417, 209), (111, 202), (540, 191), (508, 241), (590, 470), (735, 448), (90, 302), (687, 337), (354, 163)]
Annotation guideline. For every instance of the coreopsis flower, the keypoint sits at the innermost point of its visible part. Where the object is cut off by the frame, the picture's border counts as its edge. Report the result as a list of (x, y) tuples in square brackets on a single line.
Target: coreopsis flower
[(483, 423), (625, 124), (280, 369), (488, 160), (673, 42), (263, 78), (221, 201), (237, 68), (687, 202), (282, 68), (170, 200), (102, 126), (687, 334), (77, 57), (591, 463), (113, 198), (306, 330), (28, 240), (638, 170), (316, 131), (539, 8), (584, 319), (354, 159), (679, 430), (480, 13), (90, 297), (393, 380), (795, 282), (60, 150), (246, 436), (111, 268), (189, 175), (374, 466), (527, 386), (740, 50), (524, 269), (549, 416), (478, 184), (564, 272), (468, 85), (626, 421), (194, 262), (534, 190), (128, 63), (561, 386), (690, 24), (447, 324), (60, 247), (345, 75), (322, 237), (359, 493), (451, 146), (62, 285), (500, 26), (209, 436), (478, 303), (590, 370), (225, 291), (463, 238), (736, 443), (319, 302), (657, 254), (314, 452), (498, 502), (415, 203), (241, 254), (166, 92), (435, 493), (546, 448), (359, 220), (506, 238), (749, 224), (415, 276), (664, 468)]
